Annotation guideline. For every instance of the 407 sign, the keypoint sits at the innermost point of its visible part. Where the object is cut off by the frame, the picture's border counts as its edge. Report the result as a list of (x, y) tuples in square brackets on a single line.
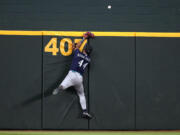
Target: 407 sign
[(54, 47)]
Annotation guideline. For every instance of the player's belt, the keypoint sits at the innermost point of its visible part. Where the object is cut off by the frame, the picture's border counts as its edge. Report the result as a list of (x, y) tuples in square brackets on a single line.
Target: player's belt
[(76, 72)]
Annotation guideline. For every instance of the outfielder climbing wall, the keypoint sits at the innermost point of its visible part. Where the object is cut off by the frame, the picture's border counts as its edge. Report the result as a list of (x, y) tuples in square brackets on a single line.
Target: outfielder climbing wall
[(63, 110)]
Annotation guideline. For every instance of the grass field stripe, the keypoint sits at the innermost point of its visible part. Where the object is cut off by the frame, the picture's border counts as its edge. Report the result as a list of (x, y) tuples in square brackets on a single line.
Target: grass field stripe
[(80, 33), (89, 133)]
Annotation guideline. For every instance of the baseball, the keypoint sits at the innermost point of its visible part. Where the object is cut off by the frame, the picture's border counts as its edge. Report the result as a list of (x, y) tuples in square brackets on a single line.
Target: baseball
[(109, 7)]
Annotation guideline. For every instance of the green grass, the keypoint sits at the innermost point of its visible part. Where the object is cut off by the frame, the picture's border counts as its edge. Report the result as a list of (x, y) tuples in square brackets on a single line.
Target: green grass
[(90, 133)]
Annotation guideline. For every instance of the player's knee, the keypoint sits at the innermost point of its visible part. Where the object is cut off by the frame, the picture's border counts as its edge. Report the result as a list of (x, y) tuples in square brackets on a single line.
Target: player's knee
[(81, 94)]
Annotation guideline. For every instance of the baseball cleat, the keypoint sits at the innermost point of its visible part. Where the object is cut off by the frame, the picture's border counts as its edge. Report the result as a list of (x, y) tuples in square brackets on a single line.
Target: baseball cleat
[(55, 91), (86, 115)]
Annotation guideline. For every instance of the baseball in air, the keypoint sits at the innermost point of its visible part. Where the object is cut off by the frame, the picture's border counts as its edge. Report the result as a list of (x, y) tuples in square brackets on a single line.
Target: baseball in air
[(109, 6)]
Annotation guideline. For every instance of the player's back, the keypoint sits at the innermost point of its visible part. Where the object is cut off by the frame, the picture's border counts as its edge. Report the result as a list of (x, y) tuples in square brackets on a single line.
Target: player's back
[(79, 62)]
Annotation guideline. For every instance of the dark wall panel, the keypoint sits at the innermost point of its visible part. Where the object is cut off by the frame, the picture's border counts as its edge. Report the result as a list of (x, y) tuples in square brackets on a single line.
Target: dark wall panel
[(125, 15), (157, 91), (63, 110), (20, 85), (111, 83)]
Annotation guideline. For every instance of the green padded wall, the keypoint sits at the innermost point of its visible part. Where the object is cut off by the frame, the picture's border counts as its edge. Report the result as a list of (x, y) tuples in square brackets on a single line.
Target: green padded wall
[(158, 73), (112, 83), (20, 89)]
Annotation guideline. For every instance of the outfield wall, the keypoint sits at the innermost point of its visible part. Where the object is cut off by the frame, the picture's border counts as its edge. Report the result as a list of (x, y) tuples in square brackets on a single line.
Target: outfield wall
[(21, 83), (132, 83)]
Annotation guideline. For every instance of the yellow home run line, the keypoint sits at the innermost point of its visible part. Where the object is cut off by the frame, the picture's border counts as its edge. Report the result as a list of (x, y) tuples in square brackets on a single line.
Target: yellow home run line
[(80, 33), (23, 33)]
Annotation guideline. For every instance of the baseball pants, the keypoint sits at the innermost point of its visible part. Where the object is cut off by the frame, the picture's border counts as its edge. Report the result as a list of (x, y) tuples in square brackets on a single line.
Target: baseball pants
[(75, 79)]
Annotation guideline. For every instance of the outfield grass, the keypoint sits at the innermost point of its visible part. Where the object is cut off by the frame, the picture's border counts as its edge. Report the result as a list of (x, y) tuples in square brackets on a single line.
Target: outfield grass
[(90, 133)]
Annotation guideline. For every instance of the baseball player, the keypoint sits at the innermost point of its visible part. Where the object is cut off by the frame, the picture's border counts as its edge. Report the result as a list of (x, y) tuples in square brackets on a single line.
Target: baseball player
[(75, 75)]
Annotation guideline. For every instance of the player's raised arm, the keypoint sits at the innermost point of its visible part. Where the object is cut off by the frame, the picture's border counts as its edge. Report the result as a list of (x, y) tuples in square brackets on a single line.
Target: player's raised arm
[(78, 45), (85, 36)]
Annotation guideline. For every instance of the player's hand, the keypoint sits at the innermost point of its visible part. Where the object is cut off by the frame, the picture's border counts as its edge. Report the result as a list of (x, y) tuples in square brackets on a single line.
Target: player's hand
[(91, 35), (85, 35), (88, 35)]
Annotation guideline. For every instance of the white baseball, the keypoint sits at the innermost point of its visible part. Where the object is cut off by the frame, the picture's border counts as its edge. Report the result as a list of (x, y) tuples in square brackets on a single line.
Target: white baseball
[(109, 7)]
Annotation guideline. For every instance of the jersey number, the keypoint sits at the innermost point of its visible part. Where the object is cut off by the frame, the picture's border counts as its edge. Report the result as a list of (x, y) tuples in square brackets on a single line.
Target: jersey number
[(81, 64)]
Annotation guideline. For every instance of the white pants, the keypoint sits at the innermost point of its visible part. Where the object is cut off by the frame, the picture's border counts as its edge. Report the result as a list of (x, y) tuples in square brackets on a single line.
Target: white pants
[(75, 79)]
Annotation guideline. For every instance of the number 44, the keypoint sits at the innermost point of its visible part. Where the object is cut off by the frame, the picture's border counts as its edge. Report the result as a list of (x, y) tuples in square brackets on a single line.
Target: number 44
[(81, 64)]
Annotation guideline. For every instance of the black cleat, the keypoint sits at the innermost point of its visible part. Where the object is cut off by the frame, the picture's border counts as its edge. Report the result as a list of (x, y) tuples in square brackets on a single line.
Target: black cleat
[(86, 115), (55, 91)]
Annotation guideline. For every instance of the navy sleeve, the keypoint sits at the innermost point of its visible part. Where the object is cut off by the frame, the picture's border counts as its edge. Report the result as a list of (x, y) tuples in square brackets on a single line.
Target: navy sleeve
[(76, 51)]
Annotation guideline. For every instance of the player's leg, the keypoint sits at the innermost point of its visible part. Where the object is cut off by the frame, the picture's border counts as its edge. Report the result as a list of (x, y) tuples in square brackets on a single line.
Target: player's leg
[(57, 90), (80, 91), (82, 98), (67, 82)]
